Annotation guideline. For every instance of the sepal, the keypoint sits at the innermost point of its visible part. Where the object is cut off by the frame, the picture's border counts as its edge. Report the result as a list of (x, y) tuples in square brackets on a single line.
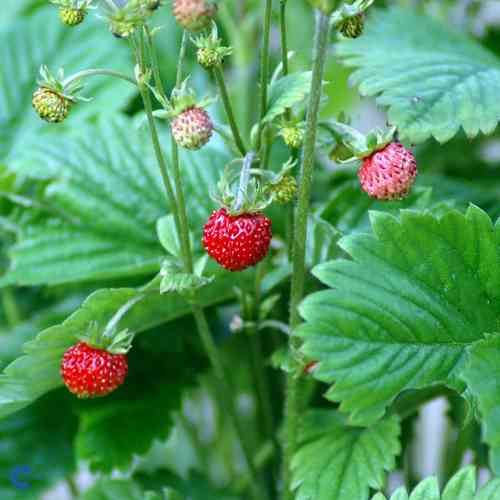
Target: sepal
[(174, 279), (349, 11)]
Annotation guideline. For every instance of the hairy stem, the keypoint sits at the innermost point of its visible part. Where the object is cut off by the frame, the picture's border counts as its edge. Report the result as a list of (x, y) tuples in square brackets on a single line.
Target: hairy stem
[(284, 48), (219, 78), (264, 70), (176, 169), (292, 404), (226, 395)]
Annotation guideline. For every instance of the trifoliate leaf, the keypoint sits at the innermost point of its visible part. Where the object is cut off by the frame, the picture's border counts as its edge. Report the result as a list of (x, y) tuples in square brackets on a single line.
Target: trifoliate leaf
[(482, 374), (434, 83), (336, 460), (287, 92), (401, 314)]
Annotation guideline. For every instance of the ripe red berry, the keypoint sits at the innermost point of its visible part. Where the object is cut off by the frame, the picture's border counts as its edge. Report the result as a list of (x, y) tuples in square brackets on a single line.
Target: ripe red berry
[(237, 241), (194, 15), (192, 128), (388, 174), (89, 372)]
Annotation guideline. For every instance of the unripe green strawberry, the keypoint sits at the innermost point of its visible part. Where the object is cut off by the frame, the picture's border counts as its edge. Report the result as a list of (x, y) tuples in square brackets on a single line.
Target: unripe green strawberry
[(209, 58), (293, 137), (194, 15), (353, 27), (192, 128), (50, 106), (153, 4), (71, 16), (285, 189)]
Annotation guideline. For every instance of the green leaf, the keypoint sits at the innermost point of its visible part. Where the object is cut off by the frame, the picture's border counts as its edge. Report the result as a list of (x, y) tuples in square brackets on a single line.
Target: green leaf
[(462, 486), (24, 47), (37, 447), (286, 93), (37, 372), (167, 234), (335, 460), (401, 314), (322, 241), (115, 429), (112, 489), (434, 83), (348, 207), (106, 194), (482, 374)]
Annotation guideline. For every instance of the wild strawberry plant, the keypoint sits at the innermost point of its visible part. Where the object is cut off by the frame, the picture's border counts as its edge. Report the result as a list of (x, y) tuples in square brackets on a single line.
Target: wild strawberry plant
[(218, 281)]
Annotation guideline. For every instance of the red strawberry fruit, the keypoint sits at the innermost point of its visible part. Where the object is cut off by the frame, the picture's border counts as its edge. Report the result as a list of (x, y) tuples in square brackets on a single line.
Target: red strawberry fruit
[(237, 241), (389, 173), (89, 372)]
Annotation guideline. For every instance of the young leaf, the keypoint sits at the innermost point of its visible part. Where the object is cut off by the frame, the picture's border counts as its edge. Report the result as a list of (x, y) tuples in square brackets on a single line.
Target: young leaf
[(106, 193), (462, 486), (482, 373), (336, 460), (434, 83), (167, 234), (401, 314), (287, 92), (24, 47)]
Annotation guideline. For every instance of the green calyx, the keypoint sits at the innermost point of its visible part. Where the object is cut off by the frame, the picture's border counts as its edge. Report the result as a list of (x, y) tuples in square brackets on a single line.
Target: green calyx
[(115, 342), (79, 5), (124, 21), (181, 99), (211, 53), (350, 144), (241, 188), (349, 18), (58, 85)]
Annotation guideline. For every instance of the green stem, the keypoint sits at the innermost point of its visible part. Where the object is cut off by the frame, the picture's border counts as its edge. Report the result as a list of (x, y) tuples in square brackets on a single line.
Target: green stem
[(225, 393), (156, 66), (72, 486), (10, 309), (101, 72), (284, 49), (264, 70), (219, 78), (176, 169), (201, 322), (292, 404)]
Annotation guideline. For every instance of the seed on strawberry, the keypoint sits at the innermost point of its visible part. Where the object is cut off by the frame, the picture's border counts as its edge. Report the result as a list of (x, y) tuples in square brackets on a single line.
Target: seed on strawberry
[(353, 26), (50, 106), (194, 15), (71, 16), (192, 128), (388, 174), (237, 241), (90, 372)]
